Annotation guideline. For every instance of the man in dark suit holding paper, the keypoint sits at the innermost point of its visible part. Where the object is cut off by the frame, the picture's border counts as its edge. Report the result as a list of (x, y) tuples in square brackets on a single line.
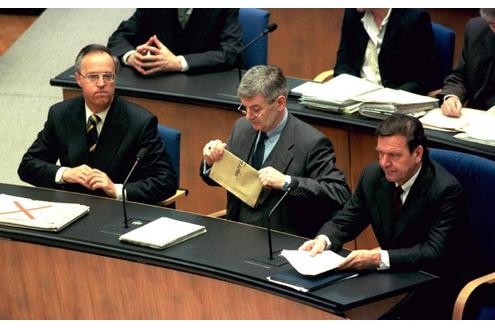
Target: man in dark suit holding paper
[(292, 151), (418, 227), (96, 137)]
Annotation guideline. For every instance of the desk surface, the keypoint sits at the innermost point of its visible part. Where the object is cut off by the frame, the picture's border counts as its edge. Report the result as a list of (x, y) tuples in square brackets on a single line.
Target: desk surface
[(220, 89), (225, 252)]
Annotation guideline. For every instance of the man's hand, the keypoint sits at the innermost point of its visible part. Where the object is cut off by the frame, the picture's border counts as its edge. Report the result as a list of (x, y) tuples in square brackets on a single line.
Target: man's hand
[(78, 174), (314, 246), (99, 180), (361, 260), (271, 178), (152, 57), (213, 151), (452, 107)]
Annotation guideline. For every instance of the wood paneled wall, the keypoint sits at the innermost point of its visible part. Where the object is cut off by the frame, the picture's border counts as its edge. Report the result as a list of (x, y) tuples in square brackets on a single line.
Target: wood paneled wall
[(307, 40)]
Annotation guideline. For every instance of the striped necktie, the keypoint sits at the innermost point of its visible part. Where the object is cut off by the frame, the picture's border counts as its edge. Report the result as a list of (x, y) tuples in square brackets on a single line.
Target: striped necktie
[(92, 133)]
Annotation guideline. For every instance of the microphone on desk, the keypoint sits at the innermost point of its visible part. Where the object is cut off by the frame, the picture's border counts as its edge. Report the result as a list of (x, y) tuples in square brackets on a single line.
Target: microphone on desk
[(271, 27), (293, 185), (141, 153)]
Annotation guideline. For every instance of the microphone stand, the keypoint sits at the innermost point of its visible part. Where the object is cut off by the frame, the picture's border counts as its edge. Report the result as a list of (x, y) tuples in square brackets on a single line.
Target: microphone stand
[(126, 225), (269, 229)]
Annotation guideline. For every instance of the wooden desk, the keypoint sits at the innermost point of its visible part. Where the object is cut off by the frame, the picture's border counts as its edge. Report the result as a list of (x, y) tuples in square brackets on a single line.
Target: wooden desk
[(84, 272)]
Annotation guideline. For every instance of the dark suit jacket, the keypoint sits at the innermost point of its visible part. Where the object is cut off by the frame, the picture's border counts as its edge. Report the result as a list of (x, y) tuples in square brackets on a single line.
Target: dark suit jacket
[(307, 156), (427, 229), (127, 129), (407, 59), (210, 40), (473, 80)]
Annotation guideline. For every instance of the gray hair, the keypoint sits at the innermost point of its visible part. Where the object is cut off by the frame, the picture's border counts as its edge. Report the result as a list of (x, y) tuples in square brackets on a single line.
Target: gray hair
[(91, 48), (487, 13), (265, 80)]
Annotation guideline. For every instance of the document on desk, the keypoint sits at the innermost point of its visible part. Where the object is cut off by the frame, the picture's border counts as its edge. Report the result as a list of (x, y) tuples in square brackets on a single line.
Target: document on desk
[(40, 215), (162, 233), (238, 177), (309, 273)]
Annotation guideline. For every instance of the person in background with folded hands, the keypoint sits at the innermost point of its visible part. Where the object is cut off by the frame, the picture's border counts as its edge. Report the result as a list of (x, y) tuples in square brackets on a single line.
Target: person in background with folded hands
[(179, 40), (284, 149), (90, 143), (415, 208), (472, 83)]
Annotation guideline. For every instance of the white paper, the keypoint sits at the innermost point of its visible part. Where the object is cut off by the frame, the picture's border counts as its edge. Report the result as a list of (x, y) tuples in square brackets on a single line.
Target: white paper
[(35, 214), (312, 265)]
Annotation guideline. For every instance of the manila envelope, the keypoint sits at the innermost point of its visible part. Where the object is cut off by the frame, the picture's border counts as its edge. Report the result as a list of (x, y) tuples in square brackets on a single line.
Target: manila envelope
[(238, 177)]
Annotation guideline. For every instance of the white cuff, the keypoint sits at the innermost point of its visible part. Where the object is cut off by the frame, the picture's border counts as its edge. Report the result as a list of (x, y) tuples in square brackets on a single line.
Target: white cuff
[(183, 63), (384, 260), (118, 191), (126, 55), (59, 174), (327, 241)]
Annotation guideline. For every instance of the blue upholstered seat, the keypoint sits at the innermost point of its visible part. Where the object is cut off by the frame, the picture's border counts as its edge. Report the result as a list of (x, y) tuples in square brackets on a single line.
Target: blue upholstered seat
[(253, 22), (477, 176), (445, 43)]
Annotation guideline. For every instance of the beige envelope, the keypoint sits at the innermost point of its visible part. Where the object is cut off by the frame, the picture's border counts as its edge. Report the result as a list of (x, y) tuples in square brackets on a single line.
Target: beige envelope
[(238, 177)]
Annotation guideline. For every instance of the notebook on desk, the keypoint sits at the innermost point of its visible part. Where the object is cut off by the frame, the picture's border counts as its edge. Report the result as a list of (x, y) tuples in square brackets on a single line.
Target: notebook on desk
[(162, 233), (39, 215)]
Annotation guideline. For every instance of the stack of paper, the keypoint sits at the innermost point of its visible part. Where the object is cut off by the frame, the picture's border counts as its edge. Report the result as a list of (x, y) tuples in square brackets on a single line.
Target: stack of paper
[(40, 215), (347, 94), (162, 232), (336, 95)]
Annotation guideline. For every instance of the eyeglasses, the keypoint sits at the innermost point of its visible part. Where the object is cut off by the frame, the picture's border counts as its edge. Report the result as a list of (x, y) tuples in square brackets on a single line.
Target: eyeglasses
[(256, 112), (93, 77)]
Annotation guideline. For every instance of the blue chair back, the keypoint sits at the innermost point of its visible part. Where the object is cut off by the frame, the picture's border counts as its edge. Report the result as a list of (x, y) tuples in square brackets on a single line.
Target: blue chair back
[(445, 43), (253, 22), (477, 176), (171, 140)]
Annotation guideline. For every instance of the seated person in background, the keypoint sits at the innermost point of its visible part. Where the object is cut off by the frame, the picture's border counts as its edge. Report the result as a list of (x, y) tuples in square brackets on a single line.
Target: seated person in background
[(391, 47), (473, 81), (416, 210), (293, 151), (96, 138), (154, 40)]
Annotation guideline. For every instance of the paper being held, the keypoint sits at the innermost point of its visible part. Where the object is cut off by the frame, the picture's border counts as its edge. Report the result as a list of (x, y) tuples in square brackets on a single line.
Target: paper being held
[(312, 265)]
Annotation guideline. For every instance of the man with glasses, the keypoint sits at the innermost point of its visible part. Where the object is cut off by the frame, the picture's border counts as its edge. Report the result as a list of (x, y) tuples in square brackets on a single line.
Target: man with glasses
[(293, 153), (96, 138)]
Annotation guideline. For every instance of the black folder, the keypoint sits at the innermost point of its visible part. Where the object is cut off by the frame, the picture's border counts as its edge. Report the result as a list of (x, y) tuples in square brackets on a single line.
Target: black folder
[(292, 278)]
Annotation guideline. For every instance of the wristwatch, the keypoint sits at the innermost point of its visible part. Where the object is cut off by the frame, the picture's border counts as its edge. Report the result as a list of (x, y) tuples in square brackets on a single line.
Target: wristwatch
[(286, 184)]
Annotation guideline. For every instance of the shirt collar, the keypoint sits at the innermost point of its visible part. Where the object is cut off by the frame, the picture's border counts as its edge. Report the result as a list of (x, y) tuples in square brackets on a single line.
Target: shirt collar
[(406, 186), (102, 114), (278, 129)]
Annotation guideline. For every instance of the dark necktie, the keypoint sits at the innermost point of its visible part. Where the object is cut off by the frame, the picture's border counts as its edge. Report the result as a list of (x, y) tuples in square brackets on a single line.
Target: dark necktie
[(397, 201), (259, 152), (92, 133)]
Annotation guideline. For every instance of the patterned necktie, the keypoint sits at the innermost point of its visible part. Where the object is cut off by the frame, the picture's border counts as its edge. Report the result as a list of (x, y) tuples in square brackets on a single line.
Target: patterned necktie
[(92, 133), (183, 16), (397, 201), (259, 152)]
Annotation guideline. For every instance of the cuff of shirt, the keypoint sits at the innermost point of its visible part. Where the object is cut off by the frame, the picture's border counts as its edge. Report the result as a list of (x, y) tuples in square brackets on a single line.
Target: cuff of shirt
[(384, 260), (118, 191), (58, 175), (327, 241), (450, 96), (206, 169), (183, 63), (126, 55)]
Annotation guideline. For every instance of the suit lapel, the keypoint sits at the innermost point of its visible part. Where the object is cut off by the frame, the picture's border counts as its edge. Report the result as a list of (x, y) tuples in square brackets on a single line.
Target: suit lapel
[(111, 136), (386, 221), (393, 26), (77, 144)]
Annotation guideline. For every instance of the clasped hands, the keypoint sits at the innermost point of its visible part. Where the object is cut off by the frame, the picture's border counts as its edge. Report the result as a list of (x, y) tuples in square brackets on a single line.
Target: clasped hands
[(362, 259), (269, 176), (90, 178), (152, 57)]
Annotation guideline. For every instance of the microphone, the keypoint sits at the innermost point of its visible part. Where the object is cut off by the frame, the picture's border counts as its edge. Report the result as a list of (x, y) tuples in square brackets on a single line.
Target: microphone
[(271, 27), (293, 185), (141, 153)]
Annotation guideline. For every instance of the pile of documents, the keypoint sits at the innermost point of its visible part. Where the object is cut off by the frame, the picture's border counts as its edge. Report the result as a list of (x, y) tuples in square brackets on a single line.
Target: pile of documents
[(35, 214), (348, 94)]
